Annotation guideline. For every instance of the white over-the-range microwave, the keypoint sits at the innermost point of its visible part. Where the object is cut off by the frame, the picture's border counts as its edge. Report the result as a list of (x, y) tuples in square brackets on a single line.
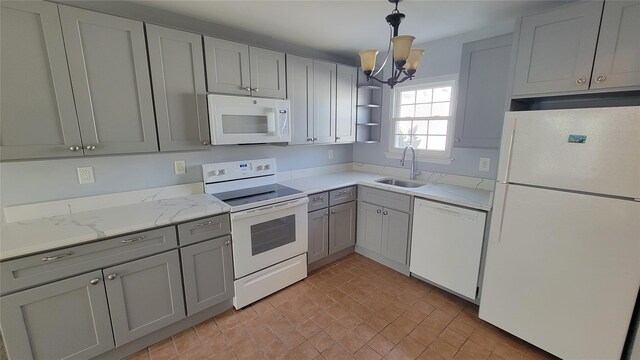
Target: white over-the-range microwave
[(248, 120)]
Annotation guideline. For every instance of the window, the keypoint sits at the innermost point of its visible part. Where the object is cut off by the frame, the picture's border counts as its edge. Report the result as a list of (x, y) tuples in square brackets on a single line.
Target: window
[(422, 117)]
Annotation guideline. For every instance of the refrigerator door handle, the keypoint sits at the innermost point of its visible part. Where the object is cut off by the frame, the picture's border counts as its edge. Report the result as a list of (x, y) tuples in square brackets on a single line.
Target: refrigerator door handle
[(508, 134), (499, 204)]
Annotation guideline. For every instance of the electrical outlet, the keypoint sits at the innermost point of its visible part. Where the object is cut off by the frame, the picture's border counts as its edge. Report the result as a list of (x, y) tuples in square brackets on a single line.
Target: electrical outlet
[(330, 152), (180, 167), (485, 163), (85, 175)]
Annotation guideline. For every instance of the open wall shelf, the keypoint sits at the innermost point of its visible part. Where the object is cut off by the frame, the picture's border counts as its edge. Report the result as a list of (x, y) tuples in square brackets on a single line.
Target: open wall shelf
[(368, 116)]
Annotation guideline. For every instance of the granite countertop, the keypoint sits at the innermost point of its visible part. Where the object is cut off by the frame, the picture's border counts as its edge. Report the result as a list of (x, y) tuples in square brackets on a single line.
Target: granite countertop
[(31, 236), (453, 194)]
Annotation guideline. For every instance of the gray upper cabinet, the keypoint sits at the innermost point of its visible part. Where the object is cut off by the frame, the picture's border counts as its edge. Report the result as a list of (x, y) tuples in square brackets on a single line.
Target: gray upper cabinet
[(617, 62), (483, 90), (318, 235), (144, 295), (107, 59), (227, 66), (300, 94), (234, 68), (342, 227), (324, 92), (346, 98), (36, 102), (267, 73), (556, 49), (207, 271), (31, 320), (177, 70)]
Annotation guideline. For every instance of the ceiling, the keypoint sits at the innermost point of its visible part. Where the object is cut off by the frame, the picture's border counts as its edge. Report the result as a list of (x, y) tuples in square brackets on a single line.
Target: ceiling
[(344, 27)]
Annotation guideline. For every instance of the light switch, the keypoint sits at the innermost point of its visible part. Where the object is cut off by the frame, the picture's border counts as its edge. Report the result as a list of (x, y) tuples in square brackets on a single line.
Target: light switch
[(485, 163)]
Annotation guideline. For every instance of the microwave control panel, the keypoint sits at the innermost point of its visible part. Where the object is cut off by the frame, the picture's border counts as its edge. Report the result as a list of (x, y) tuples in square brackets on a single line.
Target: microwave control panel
[(283, 121)]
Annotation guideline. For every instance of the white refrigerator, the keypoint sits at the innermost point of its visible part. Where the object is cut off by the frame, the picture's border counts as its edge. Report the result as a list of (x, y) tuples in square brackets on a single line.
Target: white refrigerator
[(563, 260)]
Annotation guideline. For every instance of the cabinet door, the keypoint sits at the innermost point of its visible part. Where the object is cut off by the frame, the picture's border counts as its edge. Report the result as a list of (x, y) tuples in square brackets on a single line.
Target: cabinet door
[(227, 66), (267, 73), (369, 229), (67, 319), (346, 98), (177, 70), (318, 235), (395, 235), (324, 105), (618, 56), (36, 102), (110, 77), (556, 49), (208, 273), (342, 227), (300, 94), (483, 90), (144, 295)]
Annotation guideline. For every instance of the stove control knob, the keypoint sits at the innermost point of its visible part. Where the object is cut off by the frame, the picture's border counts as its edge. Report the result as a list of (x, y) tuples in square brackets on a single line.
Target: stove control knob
[(267, 167), (260, 167), (213, 173), (222, 172)]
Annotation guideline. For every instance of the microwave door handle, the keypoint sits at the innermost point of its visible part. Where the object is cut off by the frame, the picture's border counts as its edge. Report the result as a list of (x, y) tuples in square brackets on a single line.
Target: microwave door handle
[(271, 122)]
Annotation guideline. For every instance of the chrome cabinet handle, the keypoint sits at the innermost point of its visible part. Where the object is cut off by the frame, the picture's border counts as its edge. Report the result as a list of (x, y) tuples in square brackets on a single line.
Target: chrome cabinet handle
[(337, 138), (378, 211), (112, 276), (601, 79), (205, 143), (581, 81), (255, 89), (385, 213), (127, 241), (228, 242), (326, 214), (333, 211), (74, 148), (94, 281), (205, 223), (315, 139), (319, 197), (309, 139), (245, 88), (56, 257), (90, 147)]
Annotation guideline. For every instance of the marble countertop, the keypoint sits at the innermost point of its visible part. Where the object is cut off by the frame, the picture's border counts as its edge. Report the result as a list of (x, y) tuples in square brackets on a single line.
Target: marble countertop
[(31, 236), (453, 194)]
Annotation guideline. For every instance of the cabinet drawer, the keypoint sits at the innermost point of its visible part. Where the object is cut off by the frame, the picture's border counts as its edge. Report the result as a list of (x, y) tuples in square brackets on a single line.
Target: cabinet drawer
[(341, 196), (318, 201), (204, 229), (388, 199), (52, 265)]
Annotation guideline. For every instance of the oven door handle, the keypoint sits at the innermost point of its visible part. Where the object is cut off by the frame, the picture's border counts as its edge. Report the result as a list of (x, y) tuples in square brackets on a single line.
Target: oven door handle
[(269, 208)]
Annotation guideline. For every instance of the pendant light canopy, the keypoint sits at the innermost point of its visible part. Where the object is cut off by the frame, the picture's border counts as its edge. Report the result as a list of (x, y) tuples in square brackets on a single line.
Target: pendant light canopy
[(406, 59)]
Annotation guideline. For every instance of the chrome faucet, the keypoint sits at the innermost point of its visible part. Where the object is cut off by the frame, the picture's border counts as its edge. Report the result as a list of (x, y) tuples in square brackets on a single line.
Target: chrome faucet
[(413, 174)]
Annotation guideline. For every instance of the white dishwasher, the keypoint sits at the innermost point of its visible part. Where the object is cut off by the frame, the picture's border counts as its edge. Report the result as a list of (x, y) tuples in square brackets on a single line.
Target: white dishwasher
[(446, 245)]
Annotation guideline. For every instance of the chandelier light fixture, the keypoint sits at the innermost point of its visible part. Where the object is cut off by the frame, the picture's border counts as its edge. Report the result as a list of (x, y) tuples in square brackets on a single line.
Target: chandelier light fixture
[(406, 60)]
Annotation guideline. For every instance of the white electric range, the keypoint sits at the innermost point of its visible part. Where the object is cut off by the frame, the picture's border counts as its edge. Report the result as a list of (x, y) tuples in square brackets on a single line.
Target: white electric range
[(268, 226)]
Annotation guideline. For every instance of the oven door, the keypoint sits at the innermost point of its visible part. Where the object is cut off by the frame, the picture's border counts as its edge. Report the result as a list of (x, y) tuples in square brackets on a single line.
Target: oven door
[(268, 235)]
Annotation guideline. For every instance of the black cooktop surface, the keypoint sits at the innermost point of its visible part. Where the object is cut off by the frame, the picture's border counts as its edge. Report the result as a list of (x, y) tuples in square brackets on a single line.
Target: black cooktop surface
[(256, 194)]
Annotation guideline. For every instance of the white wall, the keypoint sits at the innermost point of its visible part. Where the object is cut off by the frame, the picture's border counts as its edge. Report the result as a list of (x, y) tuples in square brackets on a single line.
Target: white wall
[(442, 57)]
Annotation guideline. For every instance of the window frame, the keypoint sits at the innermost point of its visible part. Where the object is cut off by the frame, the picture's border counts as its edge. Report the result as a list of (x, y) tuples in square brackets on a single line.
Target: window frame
[(431, 156)]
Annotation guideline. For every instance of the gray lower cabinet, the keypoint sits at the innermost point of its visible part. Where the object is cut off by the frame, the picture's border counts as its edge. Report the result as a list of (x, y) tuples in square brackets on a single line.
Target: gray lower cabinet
[(32, 320), (107, 58), (482, 92), (234, 68), (144, 295), (318, 235), (177, 68), (324, 102), (207, 271), (36, 101), (383, 226), (342, 227), (556, 49), (300, 94), (617, 62), (346, 99)]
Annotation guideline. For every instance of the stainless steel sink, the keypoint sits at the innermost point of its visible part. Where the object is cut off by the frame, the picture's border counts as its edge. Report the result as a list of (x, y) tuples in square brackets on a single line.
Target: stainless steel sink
[(401, 183)]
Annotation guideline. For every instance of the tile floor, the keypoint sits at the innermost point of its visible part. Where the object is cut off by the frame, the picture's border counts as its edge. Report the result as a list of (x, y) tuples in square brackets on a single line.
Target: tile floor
[(353, 308)]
